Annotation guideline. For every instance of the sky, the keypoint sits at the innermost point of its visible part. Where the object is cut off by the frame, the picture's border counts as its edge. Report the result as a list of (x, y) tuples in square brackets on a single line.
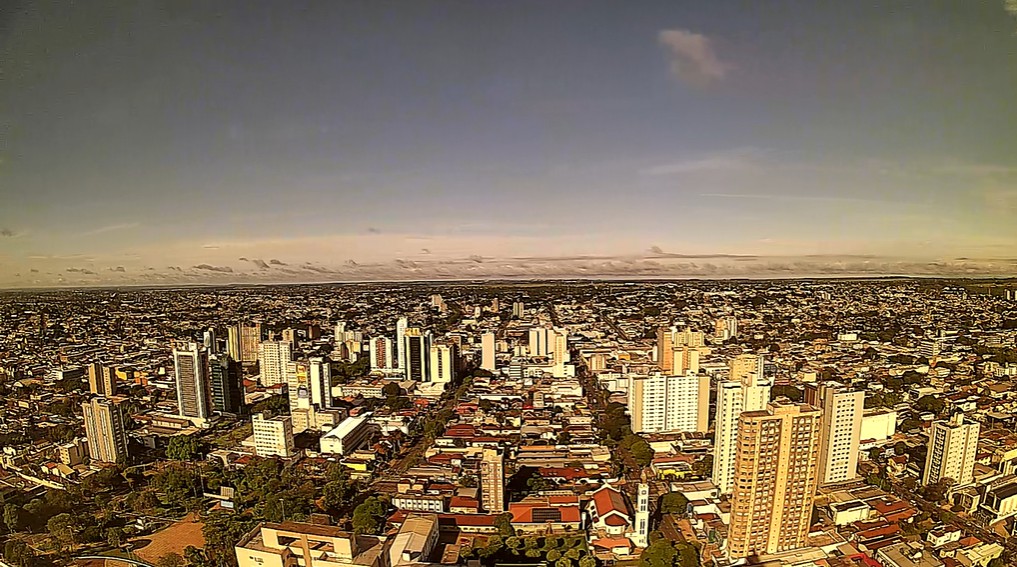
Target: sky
[(212, 142)]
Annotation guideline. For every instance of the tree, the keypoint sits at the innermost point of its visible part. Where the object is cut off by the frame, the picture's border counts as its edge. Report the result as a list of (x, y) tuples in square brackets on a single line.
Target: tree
[(338, 494), (874, 453), (936, 491), (17, 553), (183, 448), (115, 536), (12, 517), (588, 561), (787, 391), (704, 466), (553, 555), (171, 559), (931, 404), (660, 553), (62, 528), (222, 531), (504, 524), (674, 503), (391, 390), (564, 438), (368, 516)]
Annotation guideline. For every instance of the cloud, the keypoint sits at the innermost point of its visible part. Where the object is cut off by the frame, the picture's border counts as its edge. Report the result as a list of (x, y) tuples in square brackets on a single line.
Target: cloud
[(34, 271), (221, 269), (425, 250), (6, 232), (716, 163), (176, 268), (275, 262), (81, 271), (257, 262), (242, 258), (692, 58), (120, 269), (110, 228), (373, 230)]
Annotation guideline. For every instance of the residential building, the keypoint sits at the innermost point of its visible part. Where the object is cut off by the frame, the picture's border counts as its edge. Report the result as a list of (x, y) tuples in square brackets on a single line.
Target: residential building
[(775, 479), (273, 360), (273, 437), (102, 379), (442, 366), (193, 388), (952, 448), (492, 481), (381, 354), (106, 429), (660, 403), (745, 390), (842, 409), (487, 352), (401, 325)]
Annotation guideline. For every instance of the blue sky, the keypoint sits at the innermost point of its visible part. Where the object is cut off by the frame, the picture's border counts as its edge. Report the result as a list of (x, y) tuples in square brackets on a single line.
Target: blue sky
[(342, 135)]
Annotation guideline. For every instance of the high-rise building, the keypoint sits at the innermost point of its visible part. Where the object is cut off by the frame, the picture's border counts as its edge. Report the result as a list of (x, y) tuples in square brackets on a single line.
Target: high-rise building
[(558, 343), (102, 379), (660, 403), (487, 351), (210, 341), (725, 328), (665, 346), (227, 384), (686, 360), (298, 385), (242, 342), (442, 366), (400, 346), (952, 448), (321, 382), (775, 479), (193, 389), (273, 437), (381, 354), (273, 359), (105, 429), (492, 481), (841, 430), (417, 347), (518, 309), (745, 391), (539, 341)]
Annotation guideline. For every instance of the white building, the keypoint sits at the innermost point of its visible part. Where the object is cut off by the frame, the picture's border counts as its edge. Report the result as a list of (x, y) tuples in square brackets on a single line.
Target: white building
[(746, 390), (952, 448), (273, 436), (660, 403), (840, 433), (194, 391), (487, 351), (273, 360), (348, 436), (441, 367)]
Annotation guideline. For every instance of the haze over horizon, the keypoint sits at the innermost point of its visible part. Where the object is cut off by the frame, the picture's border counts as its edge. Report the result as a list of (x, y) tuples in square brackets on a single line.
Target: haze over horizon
[(192, 142)]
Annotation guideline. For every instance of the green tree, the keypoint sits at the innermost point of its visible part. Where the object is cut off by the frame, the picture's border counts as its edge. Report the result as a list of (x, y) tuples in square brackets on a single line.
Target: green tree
[(115, 536), (674, 503), (660, 553), (368, 517), (222, 531), (18, 553), (171, 559), (588, 561), (931, 404), (704, 466), (63, 528), (553, 555), (12, 517), (183, 448), (338, 494), (504, 524)]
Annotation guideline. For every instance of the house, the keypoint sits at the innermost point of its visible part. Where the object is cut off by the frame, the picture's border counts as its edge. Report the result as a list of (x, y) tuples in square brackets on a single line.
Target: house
[(609, 512), (546, 515)]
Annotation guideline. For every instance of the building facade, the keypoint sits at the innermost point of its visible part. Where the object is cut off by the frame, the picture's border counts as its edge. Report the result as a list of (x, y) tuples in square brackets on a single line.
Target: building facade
[(193, 388), (952, 449), (660, 403), (841, 430), (492, 481), (746, 391), (105, 429)]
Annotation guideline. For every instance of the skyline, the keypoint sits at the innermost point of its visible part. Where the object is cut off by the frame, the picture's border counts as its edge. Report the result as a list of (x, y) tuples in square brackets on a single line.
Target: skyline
[(190, 143)]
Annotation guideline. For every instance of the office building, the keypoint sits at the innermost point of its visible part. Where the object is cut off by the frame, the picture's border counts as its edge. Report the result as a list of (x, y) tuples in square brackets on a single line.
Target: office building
[(417, 348), (775, 479), (293, 544), (348, 436), (442, 365), (273, 360), (487, 352), (952, 448), (273, 437), (665, 346), (227, 384), (660, 403), (492, 481), (746, 390), (539, 342), (193, 388), (242, 342), (841, 430), (320, 380), (102, 379), (106, 429), (381, 354), (518, 309)]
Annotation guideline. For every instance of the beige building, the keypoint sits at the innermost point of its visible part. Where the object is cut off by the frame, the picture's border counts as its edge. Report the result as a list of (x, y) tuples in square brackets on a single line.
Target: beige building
[(297, 544), (775, 479), (492, 481), (102, 379), (273, 437), (665, 347), (660, 403), (242, 342), (442, 369), (745, 390), (105, 429), (487, 352), (274, 358), (841, 430), (952, 448)]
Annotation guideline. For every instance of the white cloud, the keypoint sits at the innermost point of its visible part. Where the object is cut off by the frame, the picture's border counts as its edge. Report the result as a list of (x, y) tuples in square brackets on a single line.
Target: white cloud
[(692, 58), (110, 228)]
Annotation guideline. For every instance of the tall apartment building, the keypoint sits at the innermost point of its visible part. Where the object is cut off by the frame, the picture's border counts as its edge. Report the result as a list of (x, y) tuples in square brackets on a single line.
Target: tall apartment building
[(685, 360), (242, 342), (381, 354), (775, 479), (539, 341), (725, 328), (417, 348), (487, 352), (273, 360), (670, 338), (492, 481), (298, 385), (660, 403), (227, 384), (193, 388), (400, 346), (952, 448), (105, 429), (442, 365), (744, 391), (273, 437), (320, 379), (518, 309), (841, 430), (102, 379)]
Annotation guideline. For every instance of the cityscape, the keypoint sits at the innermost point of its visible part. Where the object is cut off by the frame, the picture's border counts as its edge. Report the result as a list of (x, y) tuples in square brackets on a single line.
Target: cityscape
[(573, 423), (449, 283)]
